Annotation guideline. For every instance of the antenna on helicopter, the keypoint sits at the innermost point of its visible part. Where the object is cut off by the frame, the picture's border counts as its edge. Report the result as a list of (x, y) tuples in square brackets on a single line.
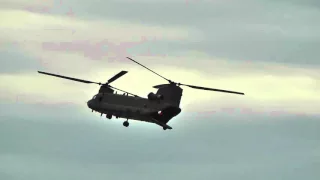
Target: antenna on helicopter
[(115, 77), (180, 84)]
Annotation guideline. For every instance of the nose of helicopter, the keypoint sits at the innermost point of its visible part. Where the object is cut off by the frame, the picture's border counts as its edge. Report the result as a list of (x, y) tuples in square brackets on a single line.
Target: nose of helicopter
[(89, 103)]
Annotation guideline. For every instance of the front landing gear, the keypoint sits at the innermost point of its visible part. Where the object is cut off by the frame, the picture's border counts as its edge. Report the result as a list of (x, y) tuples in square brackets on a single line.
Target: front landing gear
[(126, 123)]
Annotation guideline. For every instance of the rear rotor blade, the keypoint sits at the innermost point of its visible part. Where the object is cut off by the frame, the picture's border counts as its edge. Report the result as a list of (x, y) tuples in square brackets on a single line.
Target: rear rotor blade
[(192, 86), (160, 86), (123, 91), (115, 77), (150, 70), (212, 89), (70, 78)]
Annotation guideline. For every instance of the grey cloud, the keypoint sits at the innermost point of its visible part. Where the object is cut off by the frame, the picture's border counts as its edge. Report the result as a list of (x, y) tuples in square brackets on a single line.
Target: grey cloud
[(284, 32), (13, 60), (309, 3), (66, 142)]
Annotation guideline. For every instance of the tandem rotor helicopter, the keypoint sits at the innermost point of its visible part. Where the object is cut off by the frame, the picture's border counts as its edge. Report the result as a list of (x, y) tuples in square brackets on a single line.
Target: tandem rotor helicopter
[(158, 108)]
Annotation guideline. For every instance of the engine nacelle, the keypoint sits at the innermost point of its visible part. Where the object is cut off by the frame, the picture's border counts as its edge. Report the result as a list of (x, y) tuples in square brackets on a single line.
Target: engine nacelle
[(152, 96)]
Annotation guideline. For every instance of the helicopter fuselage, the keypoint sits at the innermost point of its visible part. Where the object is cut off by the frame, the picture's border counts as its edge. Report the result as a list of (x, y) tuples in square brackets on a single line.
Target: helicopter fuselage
[(135, 108)]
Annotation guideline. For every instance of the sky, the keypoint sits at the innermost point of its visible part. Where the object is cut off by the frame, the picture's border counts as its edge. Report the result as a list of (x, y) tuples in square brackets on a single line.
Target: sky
[(267, 49)]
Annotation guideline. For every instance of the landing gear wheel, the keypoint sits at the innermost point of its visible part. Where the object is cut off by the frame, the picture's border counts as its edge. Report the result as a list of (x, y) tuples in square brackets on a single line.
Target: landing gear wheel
[(109, 116), (164, 128), (126, 124)]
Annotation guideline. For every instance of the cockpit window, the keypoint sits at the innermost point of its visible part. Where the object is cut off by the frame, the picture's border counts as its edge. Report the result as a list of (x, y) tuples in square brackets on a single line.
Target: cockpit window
[(94, 97)]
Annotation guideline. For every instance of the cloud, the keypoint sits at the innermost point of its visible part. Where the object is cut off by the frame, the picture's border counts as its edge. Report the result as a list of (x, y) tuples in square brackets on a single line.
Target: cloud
[(273, 88), (91, 149), (266, 49), (285, 32), (31, 34), (273, 84), (55, 28)]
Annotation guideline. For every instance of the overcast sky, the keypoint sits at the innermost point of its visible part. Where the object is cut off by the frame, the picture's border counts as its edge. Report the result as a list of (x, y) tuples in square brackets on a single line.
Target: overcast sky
[(267, 49)]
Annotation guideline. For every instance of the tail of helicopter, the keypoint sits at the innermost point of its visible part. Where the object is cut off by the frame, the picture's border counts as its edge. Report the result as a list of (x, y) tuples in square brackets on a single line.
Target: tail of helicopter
[(170, 93)]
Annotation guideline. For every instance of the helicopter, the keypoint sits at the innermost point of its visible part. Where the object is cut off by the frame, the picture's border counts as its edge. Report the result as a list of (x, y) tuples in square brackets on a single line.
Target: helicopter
[(157, 108)]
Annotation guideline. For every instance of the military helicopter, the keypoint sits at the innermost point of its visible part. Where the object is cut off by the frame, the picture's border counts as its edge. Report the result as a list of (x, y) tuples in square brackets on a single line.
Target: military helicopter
[(158, 108)]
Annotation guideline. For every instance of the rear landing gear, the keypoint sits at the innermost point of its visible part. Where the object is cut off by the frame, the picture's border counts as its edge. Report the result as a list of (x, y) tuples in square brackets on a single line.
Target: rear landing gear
[(109, 116), (126, 124), (164, 128)]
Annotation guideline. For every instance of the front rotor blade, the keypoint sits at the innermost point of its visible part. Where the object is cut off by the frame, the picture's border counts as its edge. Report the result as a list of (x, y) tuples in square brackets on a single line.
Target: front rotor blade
[(150, 70), (70, 78), (115, 77), (123, 91), (211, 89)]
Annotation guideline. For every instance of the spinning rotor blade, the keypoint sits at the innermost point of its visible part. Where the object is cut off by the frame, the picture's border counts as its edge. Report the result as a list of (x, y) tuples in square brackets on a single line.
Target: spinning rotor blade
[(191, 86), (160, 86), (91, 82), (151, 70), (115, 77), (211, 89), (70, 78), (202, 88)]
